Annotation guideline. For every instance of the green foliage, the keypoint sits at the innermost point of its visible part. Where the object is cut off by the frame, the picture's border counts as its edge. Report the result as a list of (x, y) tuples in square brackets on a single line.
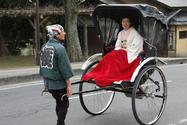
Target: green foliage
[(28, 50), (56, 3), (29, 3), (16, 32), (15, 3)]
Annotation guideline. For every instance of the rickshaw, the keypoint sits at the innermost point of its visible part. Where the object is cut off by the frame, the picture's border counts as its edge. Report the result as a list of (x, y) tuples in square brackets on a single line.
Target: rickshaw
[(147, 87)]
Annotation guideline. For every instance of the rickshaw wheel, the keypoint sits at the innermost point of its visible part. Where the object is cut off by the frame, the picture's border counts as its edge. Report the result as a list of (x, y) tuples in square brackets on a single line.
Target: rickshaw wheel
[(149, 95), (96, 102)]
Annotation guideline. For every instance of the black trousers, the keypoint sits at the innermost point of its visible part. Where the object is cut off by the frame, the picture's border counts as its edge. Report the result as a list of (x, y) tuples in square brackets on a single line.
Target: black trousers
[(61, 106)]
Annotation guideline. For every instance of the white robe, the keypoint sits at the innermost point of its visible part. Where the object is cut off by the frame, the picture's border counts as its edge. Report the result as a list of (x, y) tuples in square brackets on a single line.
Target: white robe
[(134, 45)]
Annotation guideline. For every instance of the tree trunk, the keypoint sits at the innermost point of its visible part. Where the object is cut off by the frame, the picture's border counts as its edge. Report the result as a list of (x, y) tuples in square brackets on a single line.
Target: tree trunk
[(35, 36), (3, 49), (85, 42), (44, 23), (73, 43), (44, 32)]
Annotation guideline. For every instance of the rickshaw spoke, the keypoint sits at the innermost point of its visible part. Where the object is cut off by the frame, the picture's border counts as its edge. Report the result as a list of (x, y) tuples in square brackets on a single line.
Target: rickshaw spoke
[(99, 99), (148, 109)]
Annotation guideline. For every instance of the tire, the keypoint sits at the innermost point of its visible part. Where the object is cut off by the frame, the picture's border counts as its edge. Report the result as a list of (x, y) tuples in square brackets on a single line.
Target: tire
[(149, 95), (97, 102)]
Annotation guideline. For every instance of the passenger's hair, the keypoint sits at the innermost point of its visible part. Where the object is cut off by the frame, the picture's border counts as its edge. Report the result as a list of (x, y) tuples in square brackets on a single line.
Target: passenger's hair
[(126, 16)]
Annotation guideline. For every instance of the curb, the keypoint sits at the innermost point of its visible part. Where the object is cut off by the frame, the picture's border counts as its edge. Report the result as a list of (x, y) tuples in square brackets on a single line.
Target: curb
[(27, 78), (179, 61), (19, 79)]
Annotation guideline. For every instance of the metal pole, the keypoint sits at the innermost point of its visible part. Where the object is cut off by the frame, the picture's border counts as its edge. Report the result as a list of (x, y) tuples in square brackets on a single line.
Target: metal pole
[(38, 34)]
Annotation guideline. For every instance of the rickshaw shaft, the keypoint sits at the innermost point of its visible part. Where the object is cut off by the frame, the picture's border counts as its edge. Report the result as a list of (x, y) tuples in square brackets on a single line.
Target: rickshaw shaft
[(112, 88), (104, 88)]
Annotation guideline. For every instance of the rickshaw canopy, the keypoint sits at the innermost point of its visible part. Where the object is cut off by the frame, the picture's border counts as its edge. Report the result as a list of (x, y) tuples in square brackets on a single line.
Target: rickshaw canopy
[(147, 20)]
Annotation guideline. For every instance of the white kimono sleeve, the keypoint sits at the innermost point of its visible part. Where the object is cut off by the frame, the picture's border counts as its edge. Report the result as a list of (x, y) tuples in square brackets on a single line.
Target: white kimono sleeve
[(118, 42), (134, 45)]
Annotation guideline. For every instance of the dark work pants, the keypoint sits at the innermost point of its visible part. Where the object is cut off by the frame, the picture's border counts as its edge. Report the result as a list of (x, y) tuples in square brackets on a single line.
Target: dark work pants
[(61, 106)]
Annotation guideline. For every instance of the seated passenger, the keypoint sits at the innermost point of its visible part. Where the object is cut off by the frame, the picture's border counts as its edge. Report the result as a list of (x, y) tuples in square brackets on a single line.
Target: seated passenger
[(122, 61)]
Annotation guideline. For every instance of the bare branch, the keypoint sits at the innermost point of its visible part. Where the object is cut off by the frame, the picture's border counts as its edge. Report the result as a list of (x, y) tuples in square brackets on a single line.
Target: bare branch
[(44, 20), (31, 23)]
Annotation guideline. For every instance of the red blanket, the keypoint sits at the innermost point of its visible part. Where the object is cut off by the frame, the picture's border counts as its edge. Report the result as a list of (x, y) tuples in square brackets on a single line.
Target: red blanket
[(113, 67)]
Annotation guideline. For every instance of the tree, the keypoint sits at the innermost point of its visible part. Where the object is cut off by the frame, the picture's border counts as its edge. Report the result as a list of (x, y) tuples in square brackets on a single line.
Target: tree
[(16, 33), (3, 49), (73, 43), (29, 3), (71, 14), (85, 40)]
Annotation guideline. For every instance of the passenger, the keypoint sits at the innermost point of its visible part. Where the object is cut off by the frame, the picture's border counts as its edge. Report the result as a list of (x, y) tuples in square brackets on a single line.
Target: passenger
[(122, 61)]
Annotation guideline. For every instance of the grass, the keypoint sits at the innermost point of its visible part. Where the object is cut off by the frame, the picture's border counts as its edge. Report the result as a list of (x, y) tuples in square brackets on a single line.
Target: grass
[(21, 61), (17, 61)]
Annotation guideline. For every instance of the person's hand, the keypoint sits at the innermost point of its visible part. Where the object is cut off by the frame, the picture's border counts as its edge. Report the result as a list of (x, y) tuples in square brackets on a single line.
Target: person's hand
[(45, 88), (68, 88), (69, 91), (109, 48)]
